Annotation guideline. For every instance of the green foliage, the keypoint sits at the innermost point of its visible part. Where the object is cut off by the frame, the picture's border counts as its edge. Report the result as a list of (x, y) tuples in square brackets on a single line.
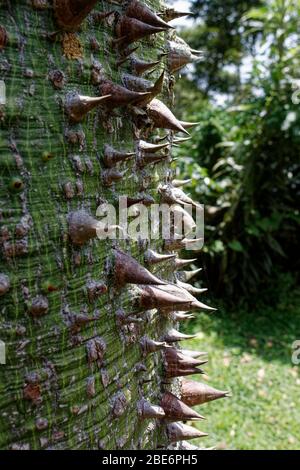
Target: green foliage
[(247, 155), (223, 39)]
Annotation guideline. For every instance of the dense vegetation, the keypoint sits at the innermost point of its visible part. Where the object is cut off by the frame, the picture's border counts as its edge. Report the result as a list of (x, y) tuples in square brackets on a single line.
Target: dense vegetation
[(246, 148)]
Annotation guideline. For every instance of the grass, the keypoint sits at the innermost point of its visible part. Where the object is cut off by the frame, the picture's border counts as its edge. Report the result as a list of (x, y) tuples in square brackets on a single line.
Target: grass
[(250, 355)]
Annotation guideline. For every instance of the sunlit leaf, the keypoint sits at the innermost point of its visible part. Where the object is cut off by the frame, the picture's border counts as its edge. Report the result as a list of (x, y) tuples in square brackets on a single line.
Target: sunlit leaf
[(235, 245)]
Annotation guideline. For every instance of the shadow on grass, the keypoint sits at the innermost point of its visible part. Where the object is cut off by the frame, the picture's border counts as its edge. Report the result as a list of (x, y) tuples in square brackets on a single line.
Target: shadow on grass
[(269, 331)]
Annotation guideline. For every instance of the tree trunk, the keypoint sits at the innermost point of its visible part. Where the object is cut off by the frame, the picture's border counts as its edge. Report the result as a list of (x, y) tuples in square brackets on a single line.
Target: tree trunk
[(75, 373)]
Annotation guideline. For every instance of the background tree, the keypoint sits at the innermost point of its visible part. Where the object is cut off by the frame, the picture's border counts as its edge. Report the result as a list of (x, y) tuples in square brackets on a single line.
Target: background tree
[(224, 40)]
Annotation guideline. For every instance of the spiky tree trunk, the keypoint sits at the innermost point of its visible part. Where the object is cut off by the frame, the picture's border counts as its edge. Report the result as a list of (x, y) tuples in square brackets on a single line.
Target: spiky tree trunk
[(78, 374)]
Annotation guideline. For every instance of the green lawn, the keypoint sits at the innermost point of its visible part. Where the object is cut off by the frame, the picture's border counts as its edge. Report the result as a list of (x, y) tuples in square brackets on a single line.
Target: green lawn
[(250, 355)]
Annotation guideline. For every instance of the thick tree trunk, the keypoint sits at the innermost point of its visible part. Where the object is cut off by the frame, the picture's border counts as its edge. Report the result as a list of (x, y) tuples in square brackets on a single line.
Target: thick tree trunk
[(75, 374)]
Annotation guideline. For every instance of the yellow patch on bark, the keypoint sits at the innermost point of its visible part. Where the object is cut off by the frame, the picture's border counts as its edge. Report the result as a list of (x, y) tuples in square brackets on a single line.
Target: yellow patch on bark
[(72, 46)]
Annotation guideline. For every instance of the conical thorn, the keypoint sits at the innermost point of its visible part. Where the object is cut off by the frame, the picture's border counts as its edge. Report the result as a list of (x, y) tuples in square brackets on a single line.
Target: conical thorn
[(128, 270), (77, 106), (71, 13), (175, 409)]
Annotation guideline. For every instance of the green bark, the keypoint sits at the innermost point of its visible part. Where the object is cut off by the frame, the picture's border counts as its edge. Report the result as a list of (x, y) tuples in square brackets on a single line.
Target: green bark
[(53, 392)]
